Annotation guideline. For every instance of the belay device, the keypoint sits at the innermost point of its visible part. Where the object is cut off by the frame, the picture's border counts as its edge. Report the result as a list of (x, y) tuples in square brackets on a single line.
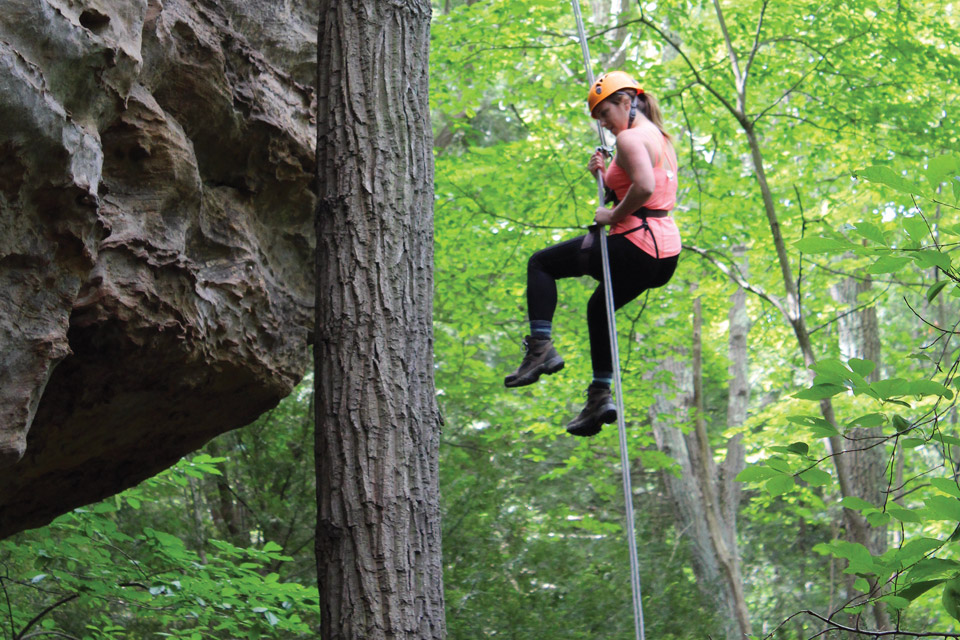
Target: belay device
[(615, 353)]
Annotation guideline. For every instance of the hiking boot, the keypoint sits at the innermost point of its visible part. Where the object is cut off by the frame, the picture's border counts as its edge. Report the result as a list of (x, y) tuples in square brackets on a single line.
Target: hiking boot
[(541, 358), (599, 411)]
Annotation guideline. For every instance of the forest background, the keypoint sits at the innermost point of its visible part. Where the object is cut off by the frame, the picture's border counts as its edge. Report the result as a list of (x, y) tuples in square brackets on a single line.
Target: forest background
[(818, 206)]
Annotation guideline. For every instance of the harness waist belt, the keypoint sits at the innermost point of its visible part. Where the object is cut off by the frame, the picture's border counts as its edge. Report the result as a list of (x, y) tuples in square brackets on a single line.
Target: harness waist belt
[(643, 212)]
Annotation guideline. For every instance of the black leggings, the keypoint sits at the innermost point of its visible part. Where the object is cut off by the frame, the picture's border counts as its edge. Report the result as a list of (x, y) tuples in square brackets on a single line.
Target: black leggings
[(632, 271)]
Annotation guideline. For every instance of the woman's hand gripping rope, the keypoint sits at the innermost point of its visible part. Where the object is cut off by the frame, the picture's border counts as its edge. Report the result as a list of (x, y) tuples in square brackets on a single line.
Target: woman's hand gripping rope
[(597, 166)]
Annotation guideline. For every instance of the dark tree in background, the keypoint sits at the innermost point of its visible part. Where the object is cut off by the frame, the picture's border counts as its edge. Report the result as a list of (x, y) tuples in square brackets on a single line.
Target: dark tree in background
[(378, 525)]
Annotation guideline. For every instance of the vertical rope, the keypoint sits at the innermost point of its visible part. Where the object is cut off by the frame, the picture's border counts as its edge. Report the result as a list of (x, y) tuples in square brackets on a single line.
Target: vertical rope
[(615, 353)]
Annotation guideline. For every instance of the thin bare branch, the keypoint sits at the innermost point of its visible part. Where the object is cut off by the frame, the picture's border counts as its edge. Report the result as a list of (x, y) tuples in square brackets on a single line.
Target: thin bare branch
[(23, 632), (734, 62), (696, 73), (929, 324), (484, 210), (822, 59), (851, 311), (737, 278), (876, 634), (756, 43), (51, 632)]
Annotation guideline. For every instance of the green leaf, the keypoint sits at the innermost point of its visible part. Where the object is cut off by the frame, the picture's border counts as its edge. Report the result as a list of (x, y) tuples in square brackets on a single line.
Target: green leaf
[(895, 602), (933, 258), (801, 448), (815, 477), (862, 367), (855, 503), (831, 367), (888, 264), (935, 289), (941, 168), (890, 388), (927, 388), (943, 508), (871, 232), (902, 514), (858, 556), (916, 228), (947, 485), (900, 424), (819, 427), (868, 421), (932, 567), (917, 589), (820, 391), (780, 485), (816, 244), (780, 465), (887, 176)]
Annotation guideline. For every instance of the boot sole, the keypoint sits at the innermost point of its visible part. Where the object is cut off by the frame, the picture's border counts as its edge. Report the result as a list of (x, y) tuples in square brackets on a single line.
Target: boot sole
[(549, 367), (607, 417)]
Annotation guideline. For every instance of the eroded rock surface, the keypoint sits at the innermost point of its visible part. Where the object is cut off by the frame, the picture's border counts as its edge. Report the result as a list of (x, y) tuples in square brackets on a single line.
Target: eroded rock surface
[(156, 197)]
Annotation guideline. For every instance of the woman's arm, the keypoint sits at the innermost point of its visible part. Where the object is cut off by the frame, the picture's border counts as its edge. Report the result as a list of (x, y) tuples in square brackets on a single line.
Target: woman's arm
[(634, 158)]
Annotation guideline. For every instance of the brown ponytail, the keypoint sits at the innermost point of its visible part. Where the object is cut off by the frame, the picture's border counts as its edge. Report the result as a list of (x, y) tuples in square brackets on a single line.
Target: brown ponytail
[(651, 109), (647, 104)]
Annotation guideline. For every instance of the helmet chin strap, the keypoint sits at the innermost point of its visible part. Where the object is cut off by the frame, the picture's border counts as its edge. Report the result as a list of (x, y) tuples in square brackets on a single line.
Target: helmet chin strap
[(634, 104)]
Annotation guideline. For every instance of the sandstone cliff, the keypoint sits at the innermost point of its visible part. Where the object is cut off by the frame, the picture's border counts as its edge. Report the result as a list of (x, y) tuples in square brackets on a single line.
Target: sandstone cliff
[(156, 197)]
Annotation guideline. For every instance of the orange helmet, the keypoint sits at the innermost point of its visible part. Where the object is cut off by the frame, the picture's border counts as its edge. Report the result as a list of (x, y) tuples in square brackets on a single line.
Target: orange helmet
[(608, 84)]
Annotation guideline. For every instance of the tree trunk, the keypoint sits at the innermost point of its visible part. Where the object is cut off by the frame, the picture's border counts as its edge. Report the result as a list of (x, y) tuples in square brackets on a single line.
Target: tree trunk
[(738, 399), (859, 336), (704, 500), (377, 430)]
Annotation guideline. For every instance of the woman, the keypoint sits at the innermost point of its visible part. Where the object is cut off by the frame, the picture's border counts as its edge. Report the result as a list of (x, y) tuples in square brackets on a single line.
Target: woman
[(643, 243)]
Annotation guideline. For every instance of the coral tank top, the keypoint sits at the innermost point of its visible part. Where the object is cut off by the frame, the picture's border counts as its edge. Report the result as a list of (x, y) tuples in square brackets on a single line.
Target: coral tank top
[(663, 238)]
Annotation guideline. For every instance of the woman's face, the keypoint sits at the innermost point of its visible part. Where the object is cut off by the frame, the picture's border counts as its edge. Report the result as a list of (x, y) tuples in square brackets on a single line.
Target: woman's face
[(614, 114)]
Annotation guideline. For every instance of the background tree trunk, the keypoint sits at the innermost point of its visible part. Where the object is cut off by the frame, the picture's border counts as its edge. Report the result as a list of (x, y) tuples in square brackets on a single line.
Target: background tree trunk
[(859, 337), (704, 497), (377, 435)]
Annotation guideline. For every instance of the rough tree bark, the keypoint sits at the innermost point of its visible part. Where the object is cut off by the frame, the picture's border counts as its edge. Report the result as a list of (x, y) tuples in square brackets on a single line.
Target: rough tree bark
[(377, 433)]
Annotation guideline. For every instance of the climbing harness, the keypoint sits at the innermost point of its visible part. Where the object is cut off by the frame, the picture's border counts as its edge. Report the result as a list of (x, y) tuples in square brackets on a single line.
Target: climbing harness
[(614, 351)]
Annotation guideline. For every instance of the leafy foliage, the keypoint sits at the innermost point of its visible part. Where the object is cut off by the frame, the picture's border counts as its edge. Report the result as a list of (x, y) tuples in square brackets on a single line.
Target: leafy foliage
[(142, 565)]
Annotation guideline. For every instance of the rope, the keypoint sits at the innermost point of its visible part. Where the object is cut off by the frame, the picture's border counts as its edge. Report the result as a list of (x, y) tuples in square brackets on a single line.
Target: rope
[(615, 352)]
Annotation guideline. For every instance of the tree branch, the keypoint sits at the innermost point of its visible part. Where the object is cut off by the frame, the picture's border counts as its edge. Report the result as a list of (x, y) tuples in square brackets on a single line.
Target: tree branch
[(737, 278), (3, 585), (693, 165), (696, 74), (756, 42), (933, 326), (59, 634), (823, 58), (875, 634), (22, 634), (734, 63), (847, 313), (484, 210)]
